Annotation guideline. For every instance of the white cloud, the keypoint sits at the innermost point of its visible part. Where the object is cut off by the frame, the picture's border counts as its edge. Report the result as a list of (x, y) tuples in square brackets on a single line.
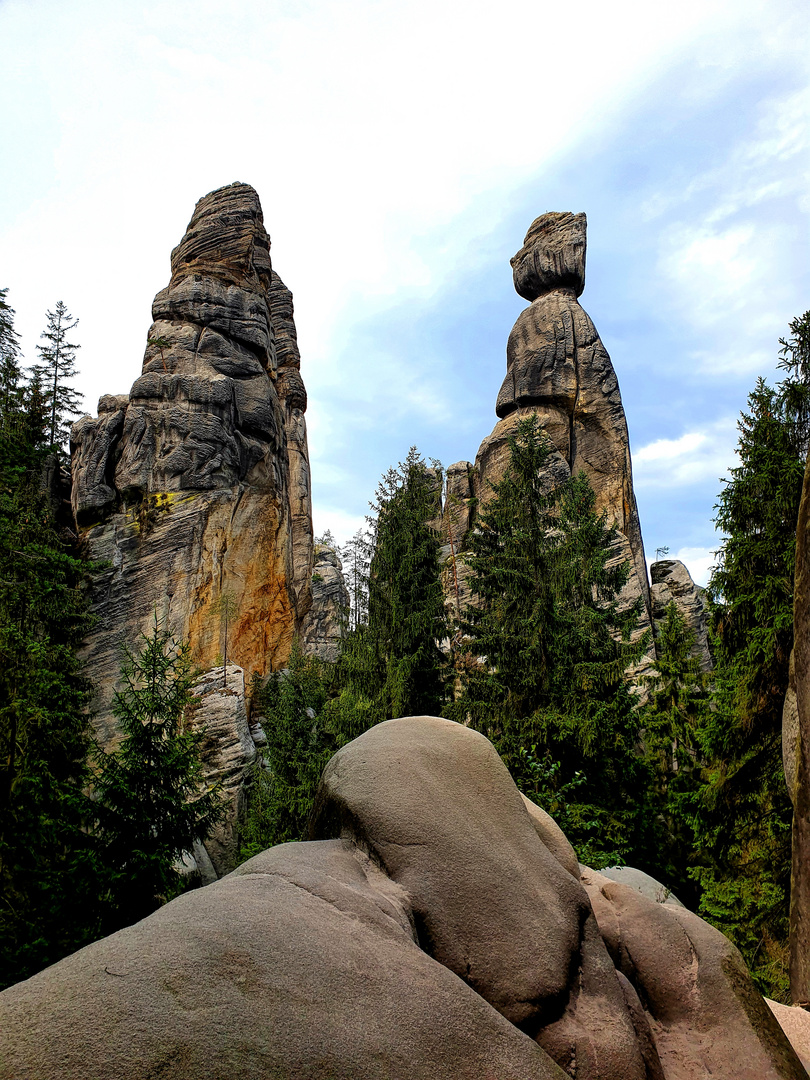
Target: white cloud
[(693, 457)]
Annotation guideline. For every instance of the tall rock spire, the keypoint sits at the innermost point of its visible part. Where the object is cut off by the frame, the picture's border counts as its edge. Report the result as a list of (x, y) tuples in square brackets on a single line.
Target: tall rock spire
[(558, 368), (195, 486)]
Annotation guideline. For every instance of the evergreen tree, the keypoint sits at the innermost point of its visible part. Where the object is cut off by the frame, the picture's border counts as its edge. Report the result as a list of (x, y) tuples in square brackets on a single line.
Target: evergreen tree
[(677, 701), (555, 644), (153, 802), (291, 705), (741, 814), (48, 879), (10, 374), (57, 367), (392, 664)]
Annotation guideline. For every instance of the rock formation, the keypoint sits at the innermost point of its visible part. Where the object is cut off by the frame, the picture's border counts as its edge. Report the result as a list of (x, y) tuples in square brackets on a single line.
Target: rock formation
[(672, 582), (195, 486), (558, 368), (436, 926), (330, 605)]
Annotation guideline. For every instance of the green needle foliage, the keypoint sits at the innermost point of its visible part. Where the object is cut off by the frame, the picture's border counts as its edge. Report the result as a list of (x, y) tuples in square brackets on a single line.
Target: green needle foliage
[(48, 881), (555, 645), (291, 705), (57, 367), (678, 698), (741, 814), (153, 802), (392, 664)]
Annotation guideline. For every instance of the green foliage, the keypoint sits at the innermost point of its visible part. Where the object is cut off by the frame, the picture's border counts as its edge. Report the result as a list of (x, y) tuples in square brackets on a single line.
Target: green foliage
[(47, 869), (282, 789), (678, 698), (555, 643), (392, 665), (153, 803), (541, 780), (741, 813), (56, 368)]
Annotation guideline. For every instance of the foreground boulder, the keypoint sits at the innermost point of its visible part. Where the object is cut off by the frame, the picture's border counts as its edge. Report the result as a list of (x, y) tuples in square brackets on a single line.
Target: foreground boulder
[(434, 928)]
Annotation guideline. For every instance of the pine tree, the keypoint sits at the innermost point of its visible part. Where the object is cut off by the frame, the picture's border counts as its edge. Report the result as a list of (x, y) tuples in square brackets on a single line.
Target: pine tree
[(57, 367), (547, 646), (741, 814), (153, 802)]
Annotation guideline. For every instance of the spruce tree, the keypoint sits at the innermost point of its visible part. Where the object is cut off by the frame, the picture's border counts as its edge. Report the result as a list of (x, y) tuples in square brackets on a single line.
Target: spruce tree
[(10, 373), (48, 873), (392, 665), (280, 797), (741, 814), (57, 367), (547, 648), (153, 801)]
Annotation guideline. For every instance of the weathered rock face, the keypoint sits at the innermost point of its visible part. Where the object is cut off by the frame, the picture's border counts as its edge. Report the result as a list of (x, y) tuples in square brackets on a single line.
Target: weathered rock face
[(672, 582), (195, 486), (558, 369), (328, 614), (437, 927)]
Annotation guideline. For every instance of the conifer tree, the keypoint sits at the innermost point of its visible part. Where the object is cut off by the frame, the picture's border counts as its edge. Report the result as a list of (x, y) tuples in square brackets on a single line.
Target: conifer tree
[(10, 373), (153, 801), (57, 368), (48, 880), (291, 704), (555, 645), (741, 814), (392, 664)]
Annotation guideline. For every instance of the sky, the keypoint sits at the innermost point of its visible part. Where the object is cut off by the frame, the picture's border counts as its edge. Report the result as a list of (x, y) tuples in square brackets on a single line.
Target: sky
[(401, 150)]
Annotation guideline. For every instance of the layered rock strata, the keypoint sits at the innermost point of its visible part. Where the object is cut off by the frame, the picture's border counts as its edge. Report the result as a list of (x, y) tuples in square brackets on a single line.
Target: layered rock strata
[(192, 493), (558, 369), (436, 926), (328, 616), (672, 583)]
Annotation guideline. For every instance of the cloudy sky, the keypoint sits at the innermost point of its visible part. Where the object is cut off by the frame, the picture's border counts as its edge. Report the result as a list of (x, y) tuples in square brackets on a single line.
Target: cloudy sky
[(401, 149)]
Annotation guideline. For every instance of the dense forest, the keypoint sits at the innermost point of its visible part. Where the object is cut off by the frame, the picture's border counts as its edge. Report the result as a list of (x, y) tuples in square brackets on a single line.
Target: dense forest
[(678, 772)]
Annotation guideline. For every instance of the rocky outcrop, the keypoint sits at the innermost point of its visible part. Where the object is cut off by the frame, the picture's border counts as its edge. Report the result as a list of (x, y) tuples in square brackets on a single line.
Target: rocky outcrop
[(228, 749), (558, 369), (194, 488), (328, 616), (436, 926), (672, 583)]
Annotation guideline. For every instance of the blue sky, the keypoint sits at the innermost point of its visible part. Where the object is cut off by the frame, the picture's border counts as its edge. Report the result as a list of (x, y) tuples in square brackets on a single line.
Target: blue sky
[(401, 151)]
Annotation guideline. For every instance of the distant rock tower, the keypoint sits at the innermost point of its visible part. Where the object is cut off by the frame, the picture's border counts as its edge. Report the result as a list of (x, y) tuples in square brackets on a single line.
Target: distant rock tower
[(558, 369)]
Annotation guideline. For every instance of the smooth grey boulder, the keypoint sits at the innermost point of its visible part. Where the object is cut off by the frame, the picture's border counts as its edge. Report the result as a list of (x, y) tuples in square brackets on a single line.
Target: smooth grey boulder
[(301, 964), (706, 1016), (643, 883), (433, 803)]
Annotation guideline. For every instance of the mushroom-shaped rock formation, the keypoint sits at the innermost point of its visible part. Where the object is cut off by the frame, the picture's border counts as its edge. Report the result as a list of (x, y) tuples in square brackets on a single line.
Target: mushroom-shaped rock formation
[(558, 369)]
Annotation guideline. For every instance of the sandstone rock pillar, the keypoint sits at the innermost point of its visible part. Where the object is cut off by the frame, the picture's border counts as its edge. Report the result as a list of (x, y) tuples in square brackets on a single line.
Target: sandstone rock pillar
[(195, 486)]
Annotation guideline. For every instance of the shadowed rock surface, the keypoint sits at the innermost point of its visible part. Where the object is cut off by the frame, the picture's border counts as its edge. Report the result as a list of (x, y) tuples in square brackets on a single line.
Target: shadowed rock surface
[(672, 582), (195, 486), (429, 934), (328, 615)]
